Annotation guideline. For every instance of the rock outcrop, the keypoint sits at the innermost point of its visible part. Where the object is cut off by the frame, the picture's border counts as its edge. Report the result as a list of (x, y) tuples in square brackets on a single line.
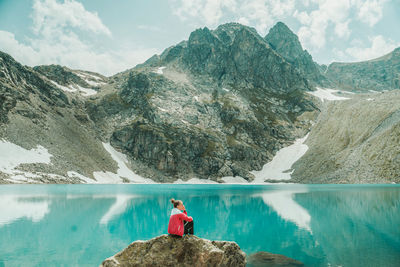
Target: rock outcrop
[(266, 259), (189, 250), (377, 74)]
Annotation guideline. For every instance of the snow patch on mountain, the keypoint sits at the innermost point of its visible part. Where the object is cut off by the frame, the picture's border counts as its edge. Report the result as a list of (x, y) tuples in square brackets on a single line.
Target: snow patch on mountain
[(279, 168), (123, 175), (327, 94)]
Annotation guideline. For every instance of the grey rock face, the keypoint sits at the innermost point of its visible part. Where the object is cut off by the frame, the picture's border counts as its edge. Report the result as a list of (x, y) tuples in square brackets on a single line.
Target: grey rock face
[(222, 106), (18, 82), (190, 250), (71, 79), (287, 44), (377, 74)]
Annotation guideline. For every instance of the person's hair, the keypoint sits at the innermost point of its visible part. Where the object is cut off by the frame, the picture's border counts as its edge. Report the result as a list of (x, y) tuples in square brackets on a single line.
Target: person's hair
[(175, 202)]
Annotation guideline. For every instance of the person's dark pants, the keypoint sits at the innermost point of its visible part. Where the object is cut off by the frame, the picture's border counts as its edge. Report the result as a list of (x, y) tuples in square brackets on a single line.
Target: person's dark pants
[(189, 228)]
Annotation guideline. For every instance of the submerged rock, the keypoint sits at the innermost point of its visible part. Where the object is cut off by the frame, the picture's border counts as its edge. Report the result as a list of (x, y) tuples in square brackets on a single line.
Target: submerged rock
[(266, 259), (189, 250)]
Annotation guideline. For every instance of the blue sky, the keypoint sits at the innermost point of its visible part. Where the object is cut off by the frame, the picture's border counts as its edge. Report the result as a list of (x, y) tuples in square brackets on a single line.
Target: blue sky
[(110, 36)]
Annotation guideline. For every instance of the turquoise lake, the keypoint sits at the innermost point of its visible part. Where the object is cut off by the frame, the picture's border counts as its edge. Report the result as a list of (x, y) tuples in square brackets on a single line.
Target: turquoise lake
[(320, 225)]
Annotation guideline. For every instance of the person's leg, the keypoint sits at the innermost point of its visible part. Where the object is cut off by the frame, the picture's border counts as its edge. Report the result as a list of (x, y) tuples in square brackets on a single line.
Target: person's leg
[(176, 236), (189, 228)]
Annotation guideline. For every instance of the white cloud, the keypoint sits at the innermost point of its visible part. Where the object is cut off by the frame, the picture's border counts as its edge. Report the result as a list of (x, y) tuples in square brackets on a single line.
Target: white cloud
[(315, 23), (208, 11), (263, 14), (314, 33), (149, 28), (339, 14), (302, 16), (342, 29), (244, 21), (259, 13), (369, 11), (379, 46), (319, 17), (49, 15), (212, 10), (23, 53), (57, 27), (70, 51)]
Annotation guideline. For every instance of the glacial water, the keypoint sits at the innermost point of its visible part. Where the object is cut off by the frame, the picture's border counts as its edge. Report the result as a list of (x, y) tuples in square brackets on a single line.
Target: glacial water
[(320, 225)]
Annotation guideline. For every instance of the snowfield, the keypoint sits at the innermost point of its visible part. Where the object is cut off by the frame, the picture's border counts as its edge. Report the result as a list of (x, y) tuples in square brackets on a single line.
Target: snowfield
[(75, 88), (159, 70), (327, 94), (12, 155), (123, 172), (277, 168)]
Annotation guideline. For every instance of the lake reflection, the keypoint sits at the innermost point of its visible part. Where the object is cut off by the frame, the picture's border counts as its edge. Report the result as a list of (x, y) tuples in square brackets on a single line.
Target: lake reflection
[(319, 225)]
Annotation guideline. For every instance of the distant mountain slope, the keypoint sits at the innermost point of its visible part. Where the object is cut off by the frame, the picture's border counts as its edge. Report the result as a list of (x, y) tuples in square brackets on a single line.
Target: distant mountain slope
[(378, 74), (354, 141), (83, 82), (38, 118)]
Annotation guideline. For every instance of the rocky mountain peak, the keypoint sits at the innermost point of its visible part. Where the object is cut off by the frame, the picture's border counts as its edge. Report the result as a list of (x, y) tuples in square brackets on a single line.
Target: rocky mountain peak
[(284, 41), (233, 55), (287, 44)]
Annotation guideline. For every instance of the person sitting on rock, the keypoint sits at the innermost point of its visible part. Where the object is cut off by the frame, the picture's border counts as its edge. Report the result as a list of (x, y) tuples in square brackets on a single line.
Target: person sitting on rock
[(179, 222)]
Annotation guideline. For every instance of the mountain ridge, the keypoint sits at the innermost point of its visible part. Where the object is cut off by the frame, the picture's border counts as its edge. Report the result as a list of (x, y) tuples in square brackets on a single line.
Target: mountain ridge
[(220, 104)]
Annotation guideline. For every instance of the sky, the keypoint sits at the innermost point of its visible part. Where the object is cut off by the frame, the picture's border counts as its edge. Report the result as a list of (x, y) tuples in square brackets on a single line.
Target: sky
[(109, 36)]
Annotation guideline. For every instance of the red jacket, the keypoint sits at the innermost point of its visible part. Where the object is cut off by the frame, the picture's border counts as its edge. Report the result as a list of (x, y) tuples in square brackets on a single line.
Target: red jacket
[(175, 226)]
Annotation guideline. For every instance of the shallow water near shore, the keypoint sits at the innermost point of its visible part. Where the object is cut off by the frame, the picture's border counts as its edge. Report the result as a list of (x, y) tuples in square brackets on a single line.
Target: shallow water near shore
[(320, 225)]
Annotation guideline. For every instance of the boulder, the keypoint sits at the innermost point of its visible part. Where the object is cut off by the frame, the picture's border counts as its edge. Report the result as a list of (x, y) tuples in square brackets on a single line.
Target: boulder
[(266, 259), (168, 250)]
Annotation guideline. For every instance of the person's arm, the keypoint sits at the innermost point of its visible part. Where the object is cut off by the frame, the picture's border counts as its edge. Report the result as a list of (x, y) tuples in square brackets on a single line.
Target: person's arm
[(183, 216)]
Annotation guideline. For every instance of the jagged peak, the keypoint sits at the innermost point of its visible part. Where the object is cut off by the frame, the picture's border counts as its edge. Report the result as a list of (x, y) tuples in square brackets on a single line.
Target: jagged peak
[(234, 26), (227, 32), (282, 27), (223, 34), (284, 41)]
